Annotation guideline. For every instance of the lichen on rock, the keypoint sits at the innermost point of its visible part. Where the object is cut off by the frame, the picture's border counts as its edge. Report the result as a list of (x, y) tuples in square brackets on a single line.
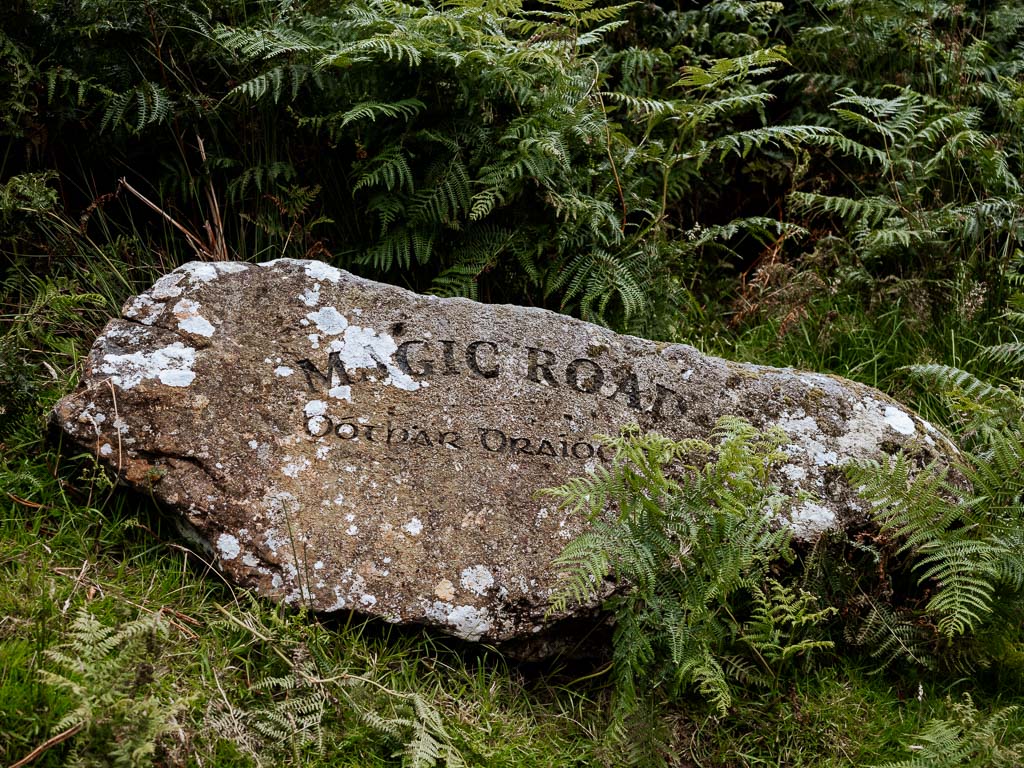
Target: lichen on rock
[(348, 445)]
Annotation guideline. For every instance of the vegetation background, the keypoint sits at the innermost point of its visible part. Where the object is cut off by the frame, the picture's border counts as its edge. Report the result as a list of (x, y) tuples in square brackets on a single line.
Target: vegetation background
[(827, 184)]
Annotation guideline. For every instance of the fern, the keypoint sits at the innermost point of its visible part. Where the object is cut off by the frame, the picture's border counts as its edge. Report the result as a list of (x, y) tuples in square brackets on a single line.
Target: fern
[(27, 193), (150, 102), (389, 169), (965, 738), (541, 130), (932, 520), (960, 531), (371, 110), (112, 675), (682, 536), (314, 692)]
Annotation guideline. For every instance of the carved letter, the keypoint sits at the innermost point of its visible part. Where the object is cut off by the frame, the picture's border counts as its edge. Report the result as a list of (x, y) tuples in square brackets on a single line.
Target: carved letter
[(588, 446), (474, 363), (316, 421), (449, 357), (659, 401), (535, 366), (402, 358), (629, 386), (546, 449), (484, 441), (402, 439), (449, 439), (334, 368), (591, 384), (350, 433), (519, 445)]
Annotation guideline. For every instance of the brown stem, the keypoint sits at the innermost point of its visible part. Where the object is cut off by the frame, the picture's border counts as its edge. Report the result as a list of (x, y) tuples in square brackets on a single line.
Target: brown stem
[(53, 741)]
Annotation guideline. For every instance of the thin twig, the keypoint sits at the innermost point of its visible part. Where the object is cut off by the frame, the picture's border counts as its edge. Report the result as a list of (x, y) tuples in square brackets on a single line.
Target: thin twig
[(24, 502), (51, 742), (608, 146), (216, 232), (195, 242), (74, 587)]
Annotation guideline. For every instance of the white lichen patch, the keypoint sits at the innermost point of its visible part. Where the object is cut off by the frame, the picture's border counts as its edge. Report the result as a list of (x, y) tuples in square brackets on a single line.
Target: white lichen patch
[(899, 420), (106, 449), (280, 505), (477, 579), (328, 320), (205, 271), (199, 271), (228, 546), (414, 527), (167, 287), (189, 319), (341, 392), (339, 601), (866, 429), (794, 472), (295, 467), (810, 440), (171, 365), (317, 270), (824, 458), (311, 296), (361, 348), (367, 600), (315, 411), (465, 621), (352, 530), (283, 371), (144, 309), (811, 519), (129, 333)]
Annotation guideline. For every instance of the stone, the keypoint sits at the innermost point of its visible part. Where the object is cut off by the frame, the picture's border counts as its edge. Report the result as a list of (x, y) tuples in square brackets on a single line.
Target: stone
[(347, 445)]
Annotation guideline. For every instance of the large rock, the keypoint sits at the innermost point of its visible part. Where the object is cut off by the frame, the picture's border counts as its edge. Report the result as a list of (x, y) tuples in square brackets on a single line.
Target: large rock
[(351, 445)]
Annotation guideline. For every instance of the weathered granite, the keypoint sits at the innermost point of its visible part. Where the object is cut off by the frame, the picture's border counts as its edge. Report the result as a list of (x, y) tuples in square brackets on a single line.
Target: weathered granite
[(351, 445)]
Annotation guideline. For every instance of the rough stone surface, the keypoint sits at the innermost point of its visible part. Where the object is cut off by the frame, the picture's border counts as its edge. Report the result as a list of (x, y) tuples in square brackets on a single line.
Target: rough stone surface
[(350, 445)]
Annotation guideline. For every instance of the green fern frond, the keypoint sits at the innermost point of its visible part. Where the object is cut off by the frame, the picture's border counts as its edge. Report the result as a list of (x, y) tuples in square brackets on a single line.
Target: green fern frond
[(405, 109), (262, 177), (742, 143), (725, 71), (109, 674), (390, 169), (868, 210), (957, 381), (964, 572), (965, 737), (691, 539), (889, 635), (1010, 354)]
